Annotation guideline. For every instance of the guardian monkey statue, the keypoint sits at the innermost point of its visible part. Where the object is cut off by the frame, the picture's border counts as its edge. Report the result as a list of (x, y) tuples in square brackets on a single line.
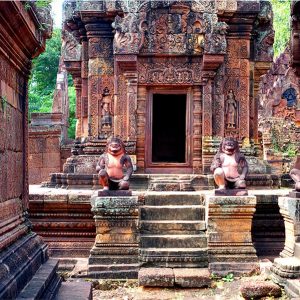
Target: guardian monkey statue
[(226, 163), (111, 165)]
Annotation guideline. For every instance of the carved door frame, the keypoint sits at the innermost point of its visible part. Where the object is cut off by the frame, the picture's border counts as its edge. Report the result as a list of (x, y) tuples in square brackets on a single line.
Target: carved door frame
[(165, 167)]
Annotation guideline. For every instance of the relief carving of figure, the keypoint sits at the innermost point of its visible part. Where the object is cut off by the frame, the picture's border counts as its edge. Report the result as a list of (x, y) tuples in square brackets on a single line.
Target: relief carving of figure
[(106, 114), (295, 174), (226, 163), (111, 164), (231, 110)]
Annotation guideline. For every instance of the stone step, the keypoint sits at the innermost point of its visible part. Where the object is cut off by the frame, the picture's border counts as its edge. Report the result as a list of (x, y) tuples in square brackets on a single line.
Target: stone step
[(44, 284), (168, 277), (183, 212), (173, 241), (172, 226), (159, 199), (116, 271), (75, 290), (113, 259), (174, 257)]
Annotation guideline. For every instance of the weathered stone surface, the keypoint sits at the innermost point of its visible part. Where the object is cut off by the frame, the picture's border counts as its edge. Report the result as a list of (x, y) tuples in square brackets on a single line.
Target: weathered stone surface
[(294, 194), (114, 193), (229, 232), (77, 290), (289, 209), (114, 254), (192, 278), (163, 277), (231, 192), (259, 289)]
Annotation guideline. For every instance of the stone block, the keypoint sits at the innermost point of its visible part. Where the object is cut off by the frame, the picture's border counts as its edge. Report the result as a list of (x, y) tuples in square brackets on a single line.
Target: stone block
[(34, 175), (76, 290), (53, 144), (51, 160), (259, 289), (294, 194), (231, 192), (192, 278), (163, 277), (35, 160), (229, 232), (114, 193)]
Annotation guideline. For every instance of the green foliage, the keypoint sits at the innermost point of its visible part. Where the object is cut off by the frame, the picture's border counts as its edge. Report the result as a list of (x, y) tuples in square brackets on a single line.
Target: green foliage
[(72, 109), (228, 278), (281, 23), (43, 77)]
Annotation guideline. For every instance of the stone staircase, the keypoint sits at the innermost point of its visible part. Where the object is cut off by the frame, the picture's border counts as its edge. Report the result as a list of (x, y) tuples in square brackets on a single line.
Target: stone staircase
[(173, 243)]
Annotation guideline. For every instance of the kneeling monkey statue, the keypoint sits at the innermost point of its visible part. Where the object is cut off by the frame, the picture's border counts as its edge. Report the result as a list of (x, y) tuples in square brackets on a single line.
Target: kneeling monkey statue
[(111, 165), (226, 164)]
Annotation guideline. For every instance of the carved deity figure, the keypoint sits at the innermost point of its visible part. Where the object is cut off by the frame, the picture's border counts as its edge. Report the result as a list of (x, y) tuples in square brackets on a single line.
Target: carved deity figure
[(231, 110), (295, 174), (111, 164), (226, 163), (106, 114)]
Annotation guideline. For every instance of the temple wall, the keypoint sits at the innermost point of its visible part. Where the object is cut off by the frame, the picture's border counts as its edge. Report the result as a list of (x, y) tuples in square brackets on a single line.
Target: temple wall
[(20, 41)]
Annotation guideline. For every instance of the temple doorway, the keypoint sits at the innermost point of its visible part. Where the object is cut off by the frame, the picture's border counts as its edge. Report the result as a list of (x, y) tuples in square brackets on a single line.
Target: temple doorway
[(169, 130)]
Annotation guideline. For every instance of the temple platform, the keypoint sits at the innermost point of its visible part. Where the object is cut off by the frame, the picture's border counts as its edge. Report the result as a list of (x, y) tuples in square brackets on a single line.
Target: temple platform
[(64, 219)]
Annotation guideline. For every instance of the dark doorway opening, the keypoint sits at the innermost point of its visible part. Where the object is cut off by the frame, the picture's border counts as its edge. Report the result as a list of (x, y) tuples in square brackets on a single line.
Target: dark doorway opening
[(169, 128), (268, 232)]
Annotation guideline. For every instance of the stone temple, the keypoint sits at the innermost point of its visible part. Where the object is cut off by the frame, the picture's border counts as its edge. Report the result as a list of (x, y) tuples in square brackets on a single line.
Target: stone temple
[(171, 79)]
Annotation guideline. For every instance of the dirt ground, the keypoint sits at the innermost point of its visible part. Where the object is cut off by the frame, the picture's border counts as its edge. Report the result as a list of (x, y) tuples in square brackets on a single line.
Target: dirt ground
[(129, 290)]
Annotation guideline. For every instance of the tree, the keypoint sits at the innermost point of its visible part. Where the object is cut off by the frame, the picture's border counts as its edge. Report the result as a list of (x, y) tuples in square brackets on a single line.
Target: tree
[(43, 76), (281, 24)]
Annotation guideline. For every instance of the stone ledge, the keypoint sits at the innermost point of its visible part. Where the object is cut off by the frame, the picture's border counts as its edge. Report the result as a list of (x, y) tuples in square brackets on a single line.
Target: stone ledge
[(156, 277), (168, 277), (192, 278)]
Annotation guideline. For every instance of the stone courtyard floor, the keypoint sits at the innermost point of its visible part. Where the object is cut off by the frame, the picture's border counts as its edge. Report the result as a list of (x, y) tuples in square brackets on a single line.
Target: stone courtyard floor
[(129, 290)]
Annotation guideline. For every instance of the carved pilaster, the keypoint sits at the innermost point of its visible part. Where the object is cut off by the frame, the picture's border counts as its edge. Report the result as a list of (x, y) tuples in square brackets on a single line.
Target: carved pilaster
[(115, 252), (141, 126), (230, 244), (78, 114), (197, 130), (100, 72)]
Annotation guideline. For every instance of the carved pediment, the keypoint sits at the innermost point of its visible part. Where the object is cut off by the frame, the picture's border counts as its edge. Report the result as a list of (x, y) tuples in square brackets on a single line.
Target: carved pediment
[(186, 28)]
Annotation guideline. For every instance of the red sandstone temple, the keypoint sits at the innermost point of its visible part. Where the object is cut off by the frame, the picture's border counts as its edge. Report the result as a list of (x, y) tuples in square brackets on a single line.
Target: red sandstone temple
[(171, 78)]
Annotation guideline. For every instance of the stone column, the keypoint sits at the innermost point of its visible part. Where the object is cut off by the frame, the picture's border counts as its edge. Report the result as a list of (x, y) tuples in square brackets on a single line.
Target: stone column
[(100, 71), (288, 265), (78, 114), (206, 126), (141, 126), (84, 89), (115, 252), (197, 130), (230, 246), (290, 210)]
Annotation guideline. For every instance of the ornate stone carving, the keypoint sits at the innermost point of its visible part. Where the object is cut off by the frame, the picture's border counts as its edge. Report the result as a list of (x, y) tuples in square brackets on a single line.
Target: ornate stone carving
[(169, 71), (215, 42), (231, 111), (263, 49), (106, 113), (129, 34), (71, 49)]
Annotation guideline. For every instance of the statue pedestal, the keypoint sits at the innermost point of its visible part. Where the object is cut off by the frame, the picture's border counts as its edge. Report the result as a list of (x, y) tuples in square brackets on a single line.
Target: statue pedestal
[(288, 265), (230, 246), (115, 252)]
